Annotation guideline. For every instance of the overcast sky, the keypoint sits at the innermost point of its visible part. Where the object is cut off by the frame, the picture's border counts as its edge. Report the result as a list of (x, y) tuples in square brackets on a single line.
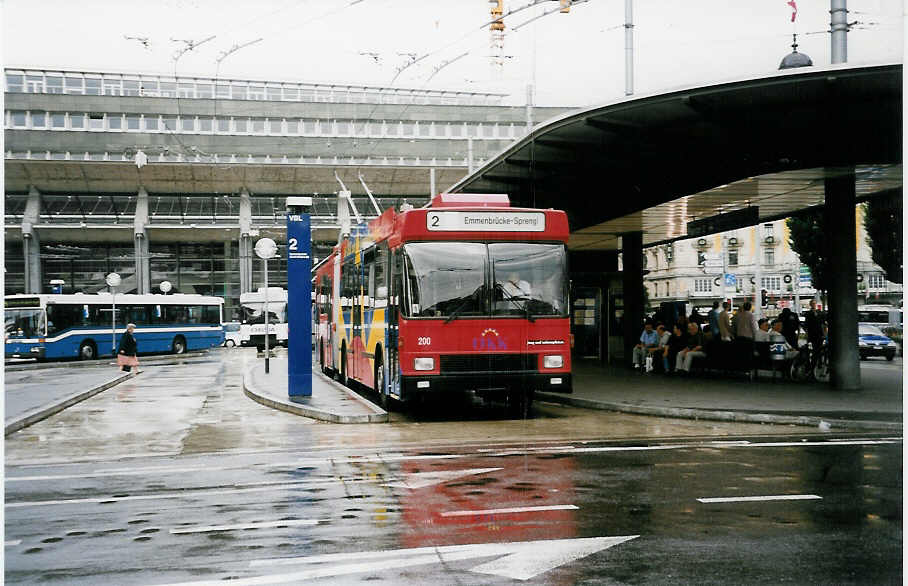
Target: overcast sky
[(575, 58)]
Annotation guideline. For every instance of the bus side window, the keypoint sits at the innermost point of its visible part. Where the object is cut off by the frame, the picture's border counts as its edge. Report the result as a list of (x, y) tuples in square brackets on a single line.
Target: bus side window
[(63, 317), (329, 296), (380, 280), (136, 314), (210, 314), (347, 283), (97, 317), (174, 313)]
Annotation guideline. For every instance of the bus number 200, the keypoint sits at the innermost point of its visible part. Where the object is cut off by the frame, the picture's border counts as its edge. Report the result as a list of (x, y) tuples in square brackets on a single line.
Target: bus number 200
[(424, 341)]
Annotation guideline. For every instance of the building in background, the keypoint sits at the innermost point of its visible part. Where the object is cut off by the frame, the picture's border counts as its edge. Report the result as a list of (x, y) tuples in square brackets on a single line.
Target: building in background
[(690, 270), (174, 178)]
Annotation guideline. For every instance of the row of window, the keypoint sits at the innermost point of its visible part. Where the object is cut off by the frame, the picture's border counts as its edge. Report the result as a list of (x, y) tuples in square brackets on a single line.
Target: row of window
[(772, 284), (62, 317), (153, 86), (256, 125), (233, 158)]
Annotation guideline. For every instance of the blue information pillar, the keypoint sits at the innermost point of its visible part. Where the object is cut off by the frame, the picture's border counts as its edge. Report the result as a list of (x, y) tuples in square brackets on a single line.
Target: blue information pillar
[(299, 297)]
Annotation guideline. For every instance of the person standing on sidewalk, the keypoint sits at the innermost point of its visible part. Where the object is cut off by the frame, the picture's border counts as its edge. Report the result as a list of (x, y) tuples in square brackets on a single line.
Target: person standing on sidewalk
[(725, 331), (127, 353), (745, 326), (815, 334), (791, 325), (714, 321)]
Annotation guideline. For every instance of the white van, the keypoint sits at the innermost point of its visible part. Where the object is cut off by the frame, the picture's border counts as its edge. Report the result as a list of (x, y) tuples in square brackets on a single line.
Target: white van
[(234, 335)]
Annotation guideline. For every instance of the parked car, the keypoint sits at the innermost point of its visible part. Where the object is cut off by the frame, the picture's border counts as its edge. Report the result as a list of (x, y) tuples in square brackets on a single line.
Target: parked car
[(232, 334), (873, 342)]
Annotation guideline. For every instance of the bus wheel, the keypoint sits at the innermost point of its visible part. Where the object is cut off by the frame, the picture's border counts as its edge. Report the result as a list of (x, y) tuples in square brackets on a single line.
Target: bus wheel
[(88, 350), (229, 344), (179, 345), (383, 399)]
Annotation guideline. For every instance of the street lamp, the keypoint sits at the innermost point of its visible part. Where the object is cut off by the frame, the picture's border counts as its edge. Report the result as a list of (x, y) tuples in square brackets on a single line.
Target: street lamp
[(165, 287), (265, 248), (113, 281)]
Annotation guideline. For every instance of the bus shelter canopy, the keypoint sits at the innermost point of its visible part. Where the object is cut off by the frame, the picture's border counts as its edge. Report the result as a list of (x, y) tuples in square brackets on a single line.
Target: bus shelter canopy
[(656, 162)]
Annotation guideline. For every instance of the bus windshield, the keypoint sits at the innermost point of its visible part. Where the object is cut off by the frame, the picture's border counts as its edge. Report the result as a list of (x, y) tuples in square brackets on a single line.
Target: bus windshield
[(472, 279), (446, 277), (24, 323)]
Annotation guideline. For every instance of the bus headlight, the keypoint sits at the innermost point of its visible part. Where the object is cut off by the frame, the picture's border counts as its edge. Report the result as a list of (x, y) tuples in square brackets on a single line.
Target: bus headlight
[(424, 363), (553, 361)]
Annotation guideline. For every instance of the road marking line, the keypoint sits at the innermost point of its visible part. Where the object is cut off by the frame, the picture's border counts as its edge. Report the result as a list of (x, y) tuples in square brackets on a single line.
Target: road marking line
[(510, 510), (12, 543), (516, 560), (539, 449), (747, 499), (405, 458), (256, 525)]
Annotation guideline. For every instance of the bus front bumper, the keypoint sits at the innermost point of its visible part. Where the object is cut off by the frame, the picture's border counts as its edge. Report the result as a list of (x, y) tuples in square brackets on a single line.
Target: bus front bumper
[(556, 382), (24, 351)]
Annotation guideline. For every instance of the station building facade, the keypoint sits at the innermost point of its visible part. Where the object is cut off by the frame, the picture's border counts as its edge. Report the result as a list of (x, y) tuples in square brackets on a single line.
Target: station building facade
[(174, 178)]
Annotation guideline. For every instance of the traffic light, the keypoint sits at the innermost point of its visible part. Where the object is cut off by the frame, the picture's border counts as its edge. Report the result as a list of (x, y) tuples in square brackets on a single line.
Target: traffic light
[(565, 6), (763, 296), (497, 11)]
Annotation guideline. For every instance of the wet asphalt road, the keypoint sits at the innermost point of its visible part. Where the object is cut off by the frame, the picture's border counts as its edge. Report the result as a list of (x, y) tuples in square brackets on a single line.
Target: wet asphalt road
[(177, 477)]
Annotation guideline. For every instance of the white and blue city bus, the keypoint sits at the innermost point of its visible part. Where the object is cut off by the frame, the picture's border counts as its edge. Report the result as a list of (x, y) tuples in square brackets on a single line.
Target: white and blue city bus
[(80, 325)]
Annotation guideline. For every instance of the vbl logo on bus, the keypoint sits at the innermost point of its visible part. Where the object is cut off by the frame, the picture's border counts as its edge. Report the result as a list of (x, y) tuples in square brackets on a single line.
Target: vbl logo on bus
[(489, 340)]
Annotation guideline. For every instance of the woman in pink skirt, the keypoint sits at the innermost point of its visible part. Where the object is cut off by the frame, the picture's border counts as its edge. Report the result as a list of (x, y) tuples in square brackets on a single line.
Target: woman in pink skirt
[(128, 350)]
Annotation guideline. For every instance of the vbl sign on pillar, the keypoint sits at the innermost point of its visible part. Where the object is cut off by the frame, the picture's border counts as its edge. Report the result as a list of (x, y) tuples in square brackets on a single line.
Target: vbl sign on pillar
[(299, 301)]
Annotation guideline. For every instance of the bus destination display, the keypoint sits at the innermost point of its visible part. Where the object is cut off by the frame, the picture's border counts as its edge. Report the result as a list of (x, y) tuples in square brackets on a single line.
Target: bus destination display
[(485, 221)]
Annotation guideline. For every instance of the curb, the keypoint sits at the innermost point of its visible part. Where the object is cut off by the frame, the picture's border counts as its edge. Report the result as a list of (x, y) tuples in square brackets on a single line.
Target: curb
[(733, 416), (40, 413), (378, 415), (155, 360)]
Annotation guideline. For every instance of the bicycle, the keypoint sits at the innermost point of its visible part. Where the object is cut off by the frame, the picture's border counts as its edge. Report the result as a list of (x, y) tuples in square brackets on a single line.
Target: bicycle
[(805, 367)]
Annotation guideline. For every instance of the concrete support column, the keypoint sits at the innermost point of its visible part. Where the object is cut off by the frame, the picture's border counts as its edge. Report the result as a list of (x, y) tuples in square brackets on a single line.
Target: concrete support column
[(140, 239), (431, 182), (632, 273), (839, 219), (31, 244), (246, 243)]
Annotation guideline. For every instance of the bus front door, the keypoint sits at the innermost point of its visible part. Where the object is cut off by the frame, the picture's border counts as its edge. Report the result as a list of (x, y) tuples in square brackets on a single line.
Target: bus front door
[(394, 299)]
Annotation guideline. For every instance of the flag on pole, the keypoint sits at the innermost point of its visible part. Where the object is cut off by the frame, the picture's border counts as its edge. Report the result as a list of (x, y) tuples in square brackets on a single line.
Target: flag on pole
[(794, 9)]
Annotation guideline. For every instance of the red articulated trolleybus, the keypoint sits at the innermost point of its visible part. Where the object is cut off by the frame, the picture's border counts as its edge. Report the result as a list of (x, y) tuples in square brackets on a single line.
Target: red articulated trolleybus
[(466, 294)]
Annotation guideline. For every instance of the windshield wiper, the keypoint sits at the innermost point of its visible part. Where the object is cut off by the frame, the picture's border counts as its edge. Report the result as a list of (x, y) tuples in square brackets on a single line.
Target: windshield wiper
[(475, 295), (525, 308)]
